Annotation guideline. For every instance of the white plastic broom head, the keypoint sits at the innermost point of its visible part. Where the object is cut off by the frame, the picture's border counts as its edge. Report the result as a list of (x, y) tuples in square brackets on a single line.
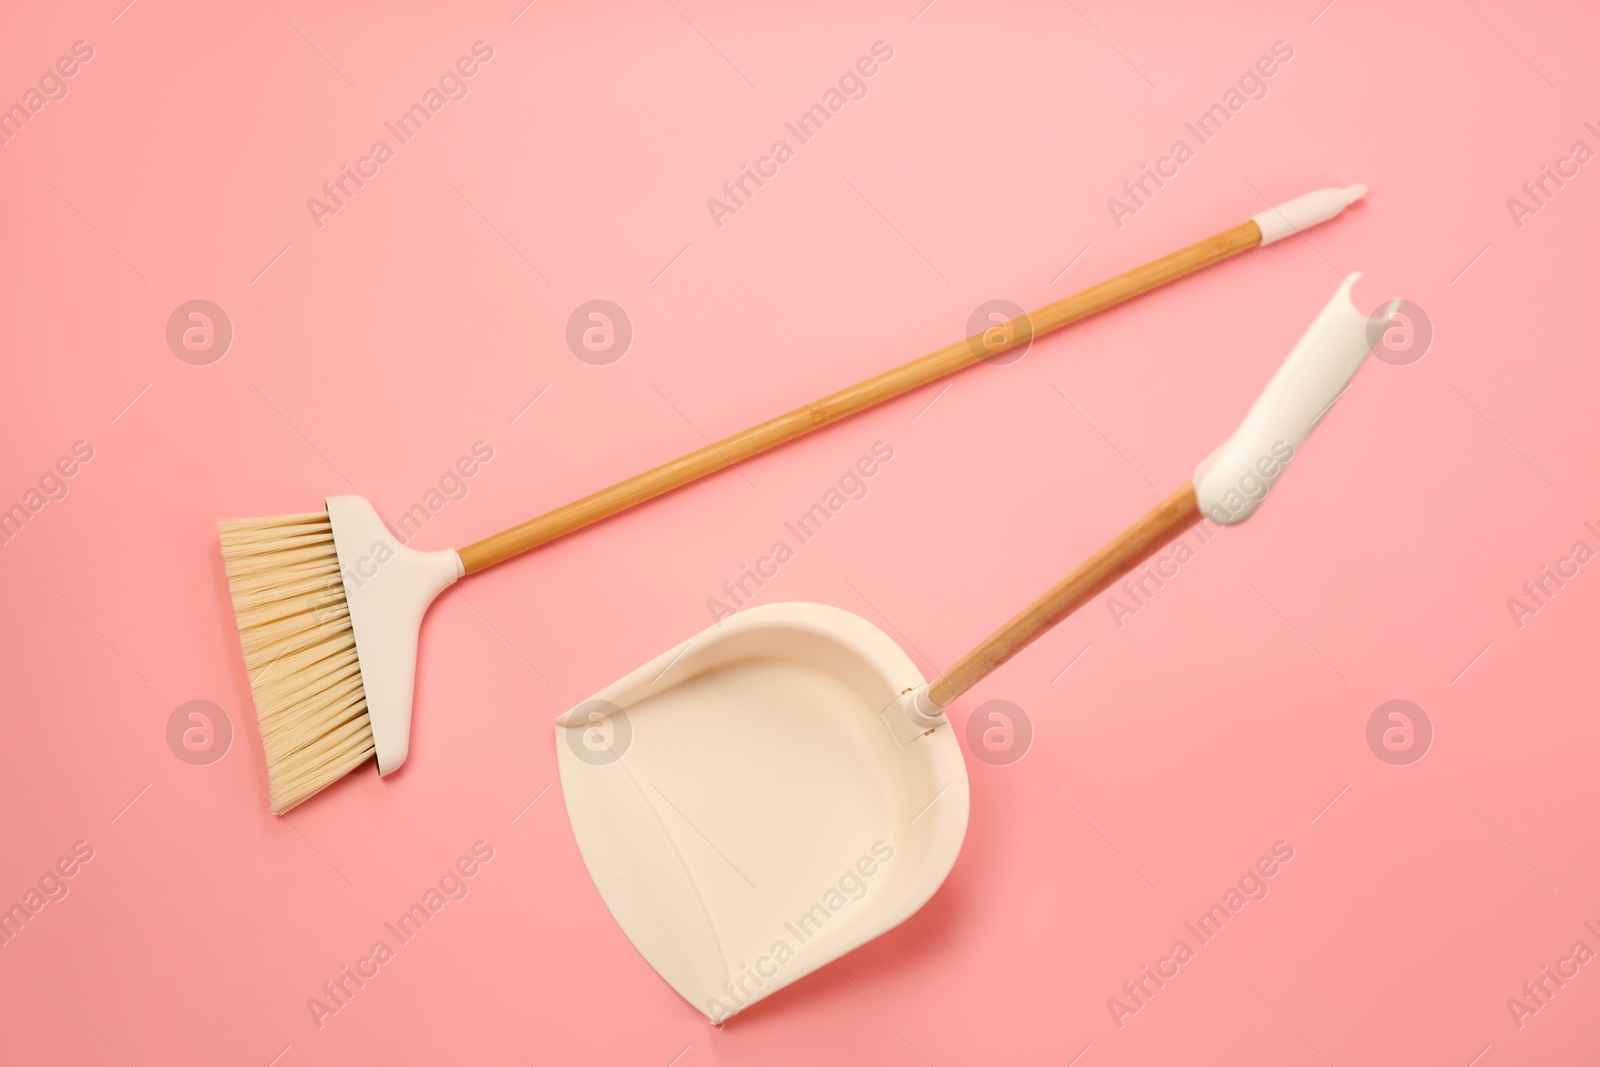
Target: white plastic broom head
[(388, 588), (1231, 482)]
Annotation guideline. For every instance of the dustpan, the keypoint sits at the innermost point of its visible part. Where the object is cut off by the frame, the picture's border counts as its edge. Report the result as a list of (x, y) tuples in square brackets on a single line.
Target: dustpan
[(745, 813), (784, 786)]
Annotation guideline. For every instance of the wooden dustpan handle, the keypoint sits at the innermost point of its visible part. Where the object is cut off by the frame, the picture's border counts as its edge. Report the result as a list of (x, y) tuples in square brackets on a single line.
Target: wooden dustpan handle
[(1099, 572), (730, 450)]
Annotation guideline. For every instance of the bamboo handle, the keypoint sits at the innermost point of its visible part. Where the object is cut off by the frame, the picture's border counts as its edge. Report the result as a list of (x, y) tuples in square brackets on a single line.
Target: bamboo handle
[(1097, 573), (730, 450)]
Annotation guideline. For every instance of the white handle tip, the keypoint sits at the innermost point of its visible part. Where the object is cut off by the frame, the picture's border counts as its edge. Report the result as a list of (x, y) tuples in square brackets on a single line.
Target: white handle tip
[(1304, 212)]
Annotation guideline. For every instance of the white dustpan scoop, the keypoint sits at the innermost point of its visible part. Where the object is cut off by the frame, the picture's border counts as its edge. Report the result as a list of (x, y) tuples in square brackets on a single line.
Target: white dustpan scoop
[(744, 810), (784, 787)]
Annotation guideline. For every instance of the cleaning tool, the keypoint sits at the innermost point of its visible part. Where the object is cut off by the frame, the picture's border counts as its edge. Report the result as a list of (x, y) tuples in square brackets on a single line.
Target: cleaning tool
[(784, 786), (329, 606)]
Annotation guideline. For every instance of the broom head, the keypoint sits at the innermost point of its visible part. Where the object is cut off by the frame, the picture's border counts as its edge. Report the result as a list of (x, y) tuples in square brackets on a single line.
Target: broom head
[(329, 606)]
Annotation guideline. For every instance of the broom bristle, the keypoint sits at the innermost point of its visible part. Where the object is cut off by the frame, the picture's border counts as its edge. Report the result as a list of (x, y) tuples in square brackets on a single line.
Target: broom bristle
[(299, 651)]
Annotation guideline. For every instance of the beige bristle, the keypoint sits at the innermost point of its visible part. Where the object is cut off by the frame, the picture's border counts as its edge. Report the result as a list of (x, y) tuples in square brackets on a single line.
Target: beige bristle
[(299, 650)]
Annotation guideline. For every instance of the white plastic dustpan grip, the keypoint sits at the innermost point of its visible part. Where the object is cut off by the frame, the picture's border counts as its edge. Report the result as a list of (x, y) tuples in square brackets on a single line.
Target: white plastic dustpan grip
[(1231, 482), (388, 588)]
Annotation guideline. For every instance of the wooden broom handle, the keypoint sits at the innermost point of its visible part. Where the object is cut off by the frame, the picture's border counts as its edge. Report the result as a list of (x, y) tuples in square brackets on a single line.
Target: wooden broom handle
[(730, 450), (1096, 574)]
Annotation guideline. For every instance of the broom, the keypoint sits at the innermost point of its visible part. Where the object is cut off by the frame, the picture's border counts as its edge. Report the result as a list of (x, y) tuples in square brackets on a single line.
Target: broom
[(329, 606)]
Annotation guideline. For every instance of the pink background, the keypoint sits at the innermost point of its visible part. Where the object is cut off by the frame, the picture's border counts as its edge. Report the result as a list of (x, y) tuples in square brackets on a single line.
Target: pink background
[(426, 315)]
